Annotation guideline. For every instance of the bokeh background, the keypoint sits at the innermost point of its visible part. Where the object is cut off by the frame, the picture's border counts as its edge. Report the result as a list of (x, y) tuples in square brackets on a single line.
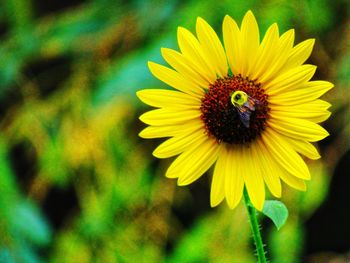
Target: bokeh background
[(76, 182)]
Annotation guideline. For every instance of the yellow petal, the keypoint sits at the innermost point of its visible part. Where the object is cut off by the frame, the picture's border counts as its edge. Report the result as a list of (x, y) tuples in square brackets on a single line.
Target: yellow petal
[(298, 128), (266, 52), (158, 132), (303, 93), (285, 155), (195, 161), (315, 111), (313, 116), (171, 130), (217, 191), (250, 40), (234, 182), (275, 169), (179, 144), (270, 169), (166, 116), (285, 45), (212, 46), (303, 147), (316, 105), (293, 181), (192, 50), (168, 98), (232, 40), (299, 54), (253, 178), (185, 67), (294, 77), (175, 80)]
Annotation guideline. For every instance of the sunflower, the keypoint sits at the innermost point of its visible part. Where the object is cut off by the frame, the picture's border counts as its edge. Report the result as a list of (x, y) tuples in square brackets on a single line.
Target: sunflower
[(247, 107)]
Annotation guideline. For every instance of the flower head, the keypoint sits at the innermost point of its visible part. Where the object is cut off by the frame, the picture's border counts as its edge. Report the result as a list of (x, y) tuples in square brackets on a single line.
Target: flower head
[(249, 108)]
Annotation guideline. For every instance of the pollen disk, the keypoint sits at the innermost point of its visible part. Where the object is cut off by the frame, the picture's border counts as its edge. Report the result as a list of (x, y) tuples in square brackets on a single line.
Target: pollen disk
[(223, 120)]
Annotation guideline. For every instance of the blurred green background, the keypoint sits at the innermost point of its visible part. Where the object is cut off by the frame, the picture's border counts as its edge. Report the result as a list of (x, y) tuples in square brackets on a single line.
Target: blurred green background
[(76, 182)]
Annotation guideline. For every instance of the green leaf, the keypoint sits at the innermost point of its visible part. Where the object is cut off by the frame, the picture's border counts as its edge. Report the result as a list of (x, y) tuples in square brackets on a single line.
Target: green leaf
[(276, 211)]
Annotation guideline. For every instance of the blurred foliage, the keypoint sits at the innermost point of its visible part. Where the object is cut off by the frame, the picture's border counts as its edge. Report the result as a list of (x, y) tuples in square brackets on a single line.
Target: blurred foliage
[(68, 74)]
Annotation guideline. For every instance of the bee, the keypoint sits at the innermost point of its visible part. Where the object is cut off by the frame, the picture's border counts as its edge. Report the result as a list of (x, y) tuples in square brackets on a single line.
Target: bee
[(244, 104)]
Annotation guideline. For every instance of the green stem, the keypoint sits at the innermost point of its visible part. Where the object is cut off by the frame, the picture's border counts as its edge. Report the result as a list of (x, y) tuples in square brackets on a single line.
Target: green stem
[(255, 228)]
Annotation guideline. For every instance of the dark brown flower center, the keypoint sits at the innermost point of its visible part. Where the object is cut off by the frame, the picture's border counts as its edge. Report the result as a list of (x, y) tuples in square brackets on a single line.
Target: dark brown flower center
[(230, 122)]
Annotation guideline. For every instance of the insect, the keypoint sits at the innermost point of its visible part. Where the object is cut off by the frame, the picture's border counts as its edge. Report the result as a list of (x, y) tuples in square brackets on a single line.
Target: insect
[(244, 105)]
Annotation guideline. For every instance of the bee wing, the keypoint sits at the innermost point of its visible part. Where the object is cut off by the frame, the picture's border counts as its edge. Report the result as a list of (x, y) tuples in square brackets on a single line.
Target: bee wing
[(250, 103), (244, 115)]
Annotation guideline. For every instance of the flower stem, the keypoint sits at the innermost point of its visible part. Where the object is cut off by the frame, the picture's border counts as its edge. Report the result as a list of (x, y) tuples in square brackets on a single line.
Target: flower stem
[(255, 228)]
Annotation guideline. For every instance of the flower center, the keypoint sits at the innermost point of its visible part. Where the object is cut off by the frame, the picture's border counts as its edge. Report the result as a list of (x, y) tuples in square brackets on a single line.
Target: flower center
[(234, 110)]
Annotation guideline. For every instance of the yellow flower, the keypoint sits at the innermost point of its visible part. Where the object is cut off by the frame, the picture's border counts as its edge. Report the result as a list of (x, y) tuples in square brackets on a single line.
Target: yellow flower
[(250, 109)]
